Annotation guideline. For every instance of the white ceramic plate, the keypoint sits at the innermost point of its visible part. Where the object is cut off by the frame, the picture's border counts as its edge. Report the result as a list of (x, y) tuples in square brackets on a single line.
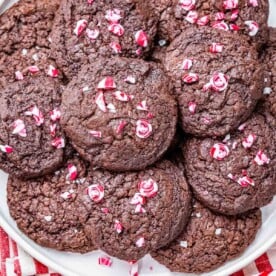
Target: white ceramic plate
[(86, 265)]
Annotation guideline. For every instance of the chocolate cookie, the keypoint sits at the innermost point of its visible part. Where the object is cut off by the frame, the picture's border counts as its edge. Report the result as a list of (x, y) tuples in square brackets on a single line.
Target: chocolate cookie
[(269, 60), (247, 17), (84, 30), (119, 113), (24, 40), (218, 80), (31, 140), (209, 241), (47, 209), (238, 173), (133, 213)]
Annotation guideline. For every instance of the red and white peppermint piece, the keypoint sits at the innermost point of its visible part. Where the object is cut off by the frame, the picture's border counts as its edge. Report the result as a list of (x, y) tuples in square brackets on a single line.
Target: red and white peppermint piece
[(72, 172), (95, 192), (253, 3), (121, 127), (139, 51), (138, 199), (55, 114), (219, 151), (95, 133), (230, 4), (192, 107), (100, 101), (141, 38), (203, 21), (248, 141), (187, 5), (6, 149), (58, 143), (219, 82), (130, 79), (190, 78), (242, 127), (53, 128), (121, 96), (116, 47), (105, 210), (216, 48), (245, 181), (253, 27), (140, 242), (37, 115), (192, 17), (234, 145), (221, 25), (134, 268), (219, 16), (116, 29), (68, 195), (139, 209), (261, 158), (143, 129), (234, 15), (111, 107), (148, 188), (19, 75), (105, 261), (90, 2), (234, 27), (118, 226), (142, 106), (80, 27), (92, 34), (113, 16), (207, 87), (33, 69), (231, 176), (107, 83), (19, 128), (187, 64), (52, 71)]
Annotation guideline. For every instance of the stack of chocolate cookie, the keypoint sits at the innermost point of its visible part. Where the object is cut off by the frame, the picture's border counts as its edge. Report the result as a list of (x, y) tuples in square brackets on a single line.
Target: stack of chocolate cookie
[(139, 127)]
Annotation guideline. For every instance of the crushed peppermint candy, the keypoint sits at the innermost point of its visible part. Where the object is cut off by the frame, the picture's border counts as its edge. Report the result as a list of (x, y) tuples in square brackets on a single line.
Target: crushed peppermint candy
[(192, 17), (234, 27), (267, 91), (92, 34), (19, 75), (72, 172), (95, 192), (230, 4), (253, 27), (53, 128), (134, 268), (105, 261), (130, 79), (52, 71), (219, 16), (142, 106), (190, 78), (121, 126), (141, 38), (105, 210), (216, 48), (58, 142), (100, 101), (245, 181), (143, 129), (234, 15), (48, 218), (80, 27), (68, 195), (218, 231), (138, 198), (139, 209), (203, 21), (116, 29), (253, 3), (6, 149), (140, 242), (111, 107), (96, 133), (116, 47), (113, 16), (37, 115), (33, 69), (219, 151), (248, 141), (107, 83), (242, 127), (192, 107), (183, 244), (90, 2), (219, 82), (19, 128), (121, 96), (187, 5), (118, 226), (261, 158), (187, 64), (220, 25), (55, 114), (148, 188)]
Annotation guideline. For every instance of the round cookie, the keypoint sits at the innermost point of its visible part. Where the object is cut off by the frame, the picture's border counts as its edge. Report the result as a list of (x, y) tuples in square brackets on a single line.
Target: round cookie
[(269, 60), (209, 241), (237, 174), (84, 30), (31, 140), (47, 209), (245, 17), (133, 213), (217, 85), (119, 113), (24, 40)]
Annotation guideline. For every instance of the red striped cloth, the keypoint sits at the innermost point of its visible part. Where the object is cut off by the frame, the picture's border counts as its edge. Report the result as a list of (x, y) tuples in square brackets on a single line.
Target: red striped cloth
[(16, 262)]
